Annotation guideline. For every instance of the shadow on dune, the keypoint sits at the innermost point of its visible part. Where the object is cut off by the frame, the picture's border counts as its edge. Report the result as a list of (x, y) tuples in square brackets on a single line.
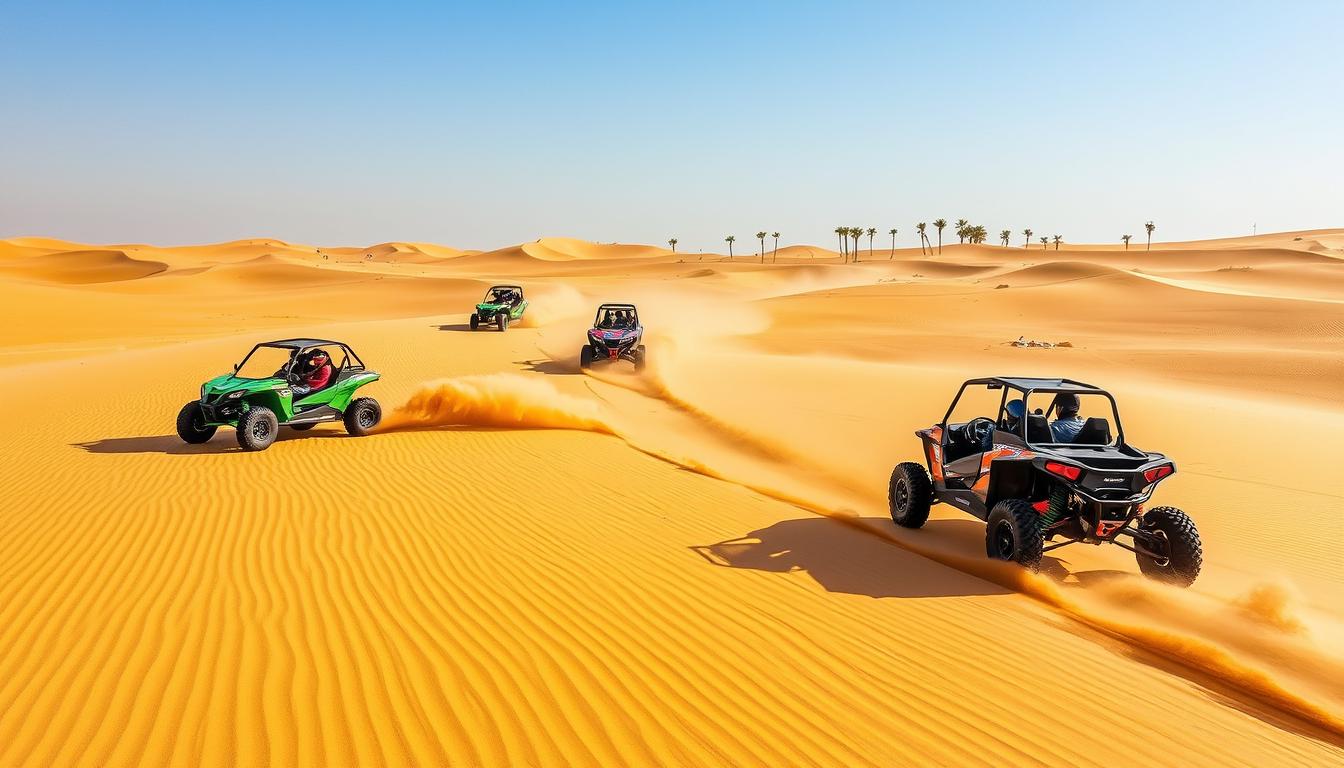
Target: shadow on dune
[(843, 559), (173, 445), (550, 367), (457, 327)]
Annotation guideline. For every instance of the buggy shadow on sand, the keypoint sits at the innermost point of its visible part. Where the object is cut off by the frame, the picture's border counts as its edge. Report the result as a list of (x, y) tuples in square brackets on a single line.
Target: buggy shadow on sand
[(1033, 481)]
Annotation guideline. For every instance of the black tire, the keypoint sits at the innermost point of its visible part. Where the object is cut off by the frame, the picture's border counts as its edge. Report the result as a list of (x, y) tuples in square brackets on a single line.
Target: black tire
[(586, 356), (641, 355), (257, 429), (1185, 552), (1014, 533), (301, 427), (909, 495), (362, 416), (502, 321), (191, 426), (475, 321)]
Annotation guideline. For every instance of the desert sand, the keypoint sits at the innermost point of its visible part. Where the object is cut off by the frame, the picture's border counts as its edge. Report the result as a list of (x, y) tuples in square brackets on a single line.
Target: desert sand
[(532, 565)]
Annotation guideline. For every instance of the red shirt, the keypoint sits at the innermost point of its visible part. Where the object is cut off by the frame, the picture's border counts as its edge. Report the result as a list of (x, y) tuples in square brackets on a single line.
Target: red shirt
[(319, 378)]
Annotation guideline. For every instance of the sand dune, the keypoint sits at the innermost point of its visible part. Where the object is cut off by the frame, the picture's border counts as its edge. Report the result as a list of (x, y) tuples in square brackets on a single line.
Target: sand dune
[(78, 267), (529, 565)]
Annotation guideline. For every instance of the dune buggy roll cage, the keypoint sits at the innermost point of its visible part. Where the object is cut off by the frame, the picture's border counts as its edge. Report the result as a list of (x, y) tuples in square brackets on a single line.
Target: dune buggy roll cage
[(298, 347), (490, 292), (1028, 386), (597, 319)]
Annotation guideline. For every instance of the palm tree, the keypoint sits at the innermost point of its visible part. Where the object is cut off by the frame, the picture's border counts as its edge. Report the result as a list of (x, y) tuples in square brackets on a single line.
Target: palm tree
[(871, 232), (1004, 234), (892, 232), (940, 224), (923, 238), (673, 243), (854, 233), (977, 234), (1027, 232), (729, 240), (761, 236), (840, 233), (775, 256), (1150, 226), (1057, 241), (962, 226), (1126, 239), (1044, 242)]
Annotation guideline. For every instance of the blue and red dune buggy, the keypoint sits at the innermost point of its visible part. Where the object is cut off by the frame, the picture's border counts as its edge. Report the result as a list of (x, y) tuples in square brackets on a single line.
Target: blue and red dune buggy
[(616, 335)]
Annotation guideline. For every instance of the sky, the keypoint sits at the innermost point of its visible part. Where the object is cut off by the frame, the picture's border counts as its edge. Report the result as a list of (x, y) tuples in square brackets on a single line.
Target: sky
[(489, 124)]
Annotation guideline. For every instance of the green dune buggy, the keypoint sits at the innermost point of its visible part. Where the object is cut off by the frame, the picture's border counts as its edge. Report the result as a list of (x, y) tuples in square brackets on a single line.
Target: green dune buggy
[(271, 388), (502, 305)]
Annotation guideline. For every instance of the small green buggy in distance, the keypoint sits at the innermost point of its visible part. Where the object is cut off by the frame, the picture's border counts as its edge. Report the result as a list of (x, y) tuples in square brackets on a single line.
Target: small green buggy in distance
[(502, 305), (256, 402)]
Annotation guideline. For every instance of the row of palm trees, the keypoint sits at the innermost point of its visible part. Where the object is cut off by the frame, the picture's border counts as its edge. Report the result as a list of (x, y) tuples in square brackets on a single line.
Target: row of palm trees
[(966, 233)]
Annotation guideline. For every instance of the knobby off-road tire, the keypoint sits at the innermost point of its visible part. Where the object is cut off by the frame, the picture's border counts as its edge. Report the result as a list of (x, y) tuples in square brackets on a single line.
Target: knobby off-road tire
[(475, 321), (909, 494), (502, 321), (1185, 552), (641, 355), (362, 416), (586, 356), (257, 429), (191, 426), (1014, 533)]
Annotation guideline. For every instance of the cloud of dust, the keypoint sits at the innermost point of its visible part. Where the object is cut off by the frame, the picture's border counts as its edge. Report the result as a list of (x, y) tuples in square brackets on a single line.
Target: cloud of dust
[(503, 400), (549, 304)]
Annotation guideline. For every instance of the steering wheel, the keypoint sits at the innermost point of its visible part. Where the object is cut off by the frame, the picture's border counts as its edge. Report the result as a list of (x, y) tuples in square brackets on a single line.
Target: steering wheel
[(979, 431)]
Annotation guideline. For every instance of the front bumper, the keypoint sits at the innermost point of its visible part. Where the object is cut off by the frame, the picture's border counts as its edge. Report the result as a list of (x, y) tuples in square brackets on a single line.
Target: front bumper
[(222, 411)]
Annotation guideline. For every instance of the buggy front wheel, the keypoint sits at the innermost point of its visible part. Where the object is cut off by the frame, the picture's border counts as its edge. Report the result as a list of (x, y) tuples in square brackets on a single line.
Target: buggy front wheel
[(191, 426), (586, 356), (475, 321), (257, 429), (909, 494)]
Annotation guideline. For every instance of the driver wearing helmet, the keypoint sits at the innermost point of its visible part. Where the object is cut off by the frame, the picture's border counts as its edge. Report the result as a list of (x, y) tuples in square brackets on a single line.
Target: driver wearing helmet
[(1013, 413), (1067, 423), (314, 372)]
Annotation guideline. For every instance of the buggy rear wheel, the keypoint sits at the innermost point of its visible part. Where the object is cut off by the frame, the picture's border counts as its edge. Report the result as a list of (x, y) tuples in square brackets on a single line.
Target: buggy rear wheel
[(362, 416), (191, 426), (257, 429), (1013, 532), (909, 494), (1184, 552)]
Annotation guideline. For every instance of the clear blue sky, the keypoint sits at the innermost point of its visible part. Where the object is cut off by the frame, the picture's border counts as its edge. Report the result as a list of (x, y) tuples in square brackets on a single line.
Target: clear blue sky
[(495, 123)]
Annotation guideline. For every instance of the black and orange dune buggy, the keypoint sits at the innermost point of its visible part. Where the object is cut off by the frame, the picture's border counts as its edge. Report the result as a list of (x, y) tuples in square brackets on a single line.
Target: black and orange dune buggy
[(1033, 480)]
